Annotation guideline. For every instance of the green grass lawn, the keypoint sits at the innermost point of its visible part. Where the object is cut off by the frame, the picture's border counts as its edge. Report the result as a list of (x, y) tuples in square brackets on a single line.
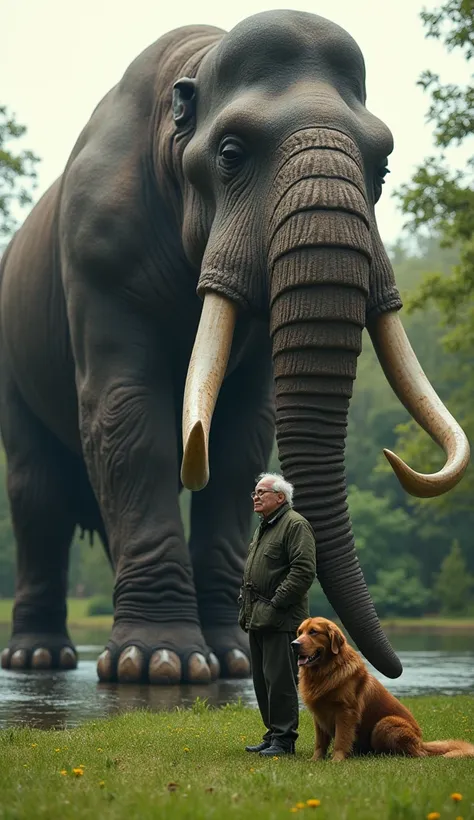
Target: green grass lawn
[(192, 764), (77, 616)]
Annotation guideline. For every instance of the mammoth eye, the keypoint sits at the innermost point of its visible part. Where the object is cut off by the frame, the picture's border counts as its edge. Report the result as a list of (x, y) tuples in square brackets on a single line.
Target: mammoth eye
[(231, 151)]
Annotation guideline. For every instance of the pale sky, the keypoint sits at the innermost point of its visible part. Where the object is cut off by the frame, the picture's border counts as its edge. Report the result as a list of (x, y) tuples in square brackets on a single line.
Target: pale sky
[(59, 58)]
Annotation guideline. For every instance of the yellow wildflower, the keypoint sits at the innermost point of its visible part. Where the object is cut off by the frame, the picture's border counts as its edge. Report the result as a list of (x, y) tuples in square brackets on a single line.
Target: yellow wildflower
[(78, 772), (102, 784), (433, 815), (252, 769), (294, 809), (275, 757), (100, 750), (459, 818), (57, 750), (34, 745), (456, 797), (81, 766), (300, 805), (313, 803), (186, 749), (63, 772)]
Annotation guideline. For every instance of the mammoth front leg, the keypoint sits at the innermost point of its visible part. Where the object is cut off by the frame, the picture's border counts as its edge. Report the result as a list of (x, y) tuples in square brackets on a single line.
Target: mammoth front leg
[(240, 444), (127, 418)]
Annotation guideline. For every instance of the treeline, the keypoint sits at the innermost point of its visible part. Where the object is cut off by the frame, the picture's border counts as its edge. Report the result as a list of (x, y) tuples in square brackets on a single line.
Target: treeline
[(417, 556)]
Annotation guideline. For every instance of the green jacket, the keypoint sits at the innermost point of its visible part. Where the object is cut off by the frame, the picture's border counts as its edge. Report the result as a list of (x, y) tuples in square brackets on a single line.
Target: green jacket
[(280, 568)]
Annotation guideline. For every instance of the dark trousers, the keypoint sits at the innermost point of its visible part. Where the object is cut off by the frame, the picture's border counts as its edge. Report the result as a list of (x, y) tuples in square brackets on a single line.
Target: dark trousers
[(275, 675)]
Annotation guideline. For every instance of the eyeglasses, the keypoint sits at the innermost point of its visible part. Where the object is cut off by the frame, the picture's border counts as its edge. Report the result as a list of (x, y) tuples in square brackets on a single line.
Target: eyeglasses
[(259, 493)]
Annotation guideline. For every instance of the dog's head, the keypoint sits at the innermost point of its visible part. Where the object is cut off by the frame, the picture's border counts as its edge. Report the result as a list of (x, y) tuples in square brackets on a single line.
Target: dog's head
[(318, 640)]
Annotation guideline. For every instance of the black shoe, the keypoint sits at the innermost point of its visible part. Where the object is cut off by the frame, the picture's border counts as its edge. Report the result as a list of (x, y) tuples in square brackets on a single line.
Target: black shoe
[(265, 744), (276, 750)]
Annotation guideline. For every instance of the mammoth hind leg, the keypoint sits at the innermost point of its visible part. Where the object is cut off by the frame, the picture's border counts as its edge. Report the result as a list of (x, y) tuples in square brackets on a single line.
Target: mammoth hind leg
[(40, 484)]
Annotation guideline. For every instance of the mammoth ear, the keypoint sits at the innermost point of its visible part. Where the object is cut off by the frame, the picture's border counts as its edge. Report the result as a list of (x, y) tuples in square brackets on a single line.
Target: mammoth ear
[(337, 639), (184, 100)]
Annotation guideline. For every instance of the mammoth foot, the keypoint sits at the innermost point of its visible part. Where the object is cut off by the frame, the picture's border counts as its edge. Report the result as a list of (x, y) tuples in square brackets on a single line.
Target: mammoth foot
[(34, 650), (162, 654), (231, 647)]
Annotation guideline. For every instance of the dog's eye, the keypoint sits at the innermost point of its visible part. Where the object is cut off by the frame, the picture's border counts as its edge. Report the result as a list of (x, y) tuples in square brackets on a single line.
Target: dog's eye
[(312, 632)]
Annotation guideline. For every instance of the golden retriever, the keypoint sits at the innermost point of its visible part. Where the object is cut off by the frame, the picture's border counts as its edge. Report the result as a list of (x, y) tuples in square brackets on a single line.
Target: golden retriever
[(351, 706)]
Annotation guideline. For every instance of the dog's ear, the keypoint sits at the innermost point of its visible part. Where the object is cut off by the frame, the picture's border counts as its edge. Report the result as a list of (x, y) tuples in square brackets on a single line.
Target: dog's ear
[(337, 639)]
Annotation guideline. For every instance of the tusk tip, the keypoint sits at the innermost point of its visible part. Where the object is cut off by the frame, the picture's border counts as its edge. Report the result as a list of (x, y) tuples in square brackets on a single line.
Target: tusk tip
[(195, 464), (411, 482), (418, 484)]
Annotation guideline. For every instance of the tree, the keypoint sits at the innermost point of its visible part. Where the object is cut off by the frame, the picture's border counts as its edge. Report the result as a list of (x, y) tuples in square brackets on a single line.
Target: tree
[(454, 584), (382, 531), (397, 592), (17, 172), (442, 201)]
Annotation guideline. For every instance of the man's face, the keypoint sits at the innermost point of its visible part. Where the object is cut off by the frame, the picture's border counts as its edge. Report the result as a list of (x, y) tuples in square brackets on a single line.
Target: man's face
[(266, 500)]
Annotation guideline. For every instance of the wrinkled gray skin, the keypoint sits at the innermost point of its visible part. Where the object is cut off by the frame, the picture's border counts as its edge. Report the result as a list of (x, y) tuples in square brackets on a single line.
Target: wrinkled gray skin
[(257, 179)]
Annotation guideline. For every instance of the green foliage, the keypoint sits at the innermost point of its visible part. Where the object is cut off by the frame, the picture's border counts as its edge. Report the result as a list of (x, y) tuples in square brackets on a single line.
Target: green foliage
[(452, 107), (396, 592), (89, 570), (319, 606), (441, 201), (17, 171), (380, 528), (100, 605), (454, 584)]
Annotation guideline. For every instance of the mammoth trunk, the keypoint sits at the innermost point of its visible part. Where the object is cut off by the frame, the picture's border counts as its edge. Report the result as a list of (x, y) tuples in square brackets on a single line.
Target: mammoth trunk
[(319, 264)]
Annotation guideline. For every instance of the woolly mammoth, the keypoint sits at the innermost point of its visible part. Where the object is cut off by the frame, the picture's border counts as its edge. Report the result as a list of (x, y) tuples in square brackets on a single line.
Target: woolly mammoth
[(201, 272)]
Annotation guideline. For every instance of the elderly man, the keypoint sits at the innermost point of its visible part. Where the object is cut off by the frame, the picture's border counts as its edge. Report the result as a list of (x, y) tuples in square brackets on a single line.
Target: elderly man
[(280, 568)]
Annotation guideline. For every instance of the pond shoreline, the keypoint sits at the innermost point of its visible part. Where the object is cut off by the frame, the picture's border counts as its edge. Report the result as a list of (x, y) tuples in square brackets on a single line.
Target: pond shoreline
[(429, 624)]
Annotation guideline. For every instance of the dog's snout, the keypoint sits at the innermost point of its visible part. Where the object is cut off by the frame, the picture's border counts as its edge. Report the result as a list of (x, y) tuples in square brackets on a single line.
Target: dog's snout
[(295, 644)]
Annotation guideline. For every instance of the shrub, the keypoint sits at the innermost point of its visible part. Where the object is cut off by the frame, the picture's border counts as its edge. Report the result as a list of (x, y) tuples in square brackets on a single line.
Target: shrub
[(100, 605)]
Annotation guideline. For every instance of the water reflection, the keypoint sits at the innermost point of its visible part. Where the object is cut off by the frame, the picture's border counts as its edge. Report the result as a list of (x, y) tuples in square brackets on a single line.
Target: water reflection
[(63, 699)]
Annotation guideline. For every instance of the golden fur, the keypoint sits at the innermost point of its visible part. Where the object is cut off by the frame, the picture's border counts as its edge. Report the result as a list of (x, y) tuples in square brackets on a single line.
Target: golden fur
[(351, 706)]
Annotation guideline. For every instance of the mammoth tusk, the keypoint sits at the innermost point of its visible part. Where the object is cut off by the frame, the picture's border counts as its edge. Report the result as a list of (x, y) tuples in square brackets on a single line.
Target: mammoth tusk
[(205, 374), (412, 387)]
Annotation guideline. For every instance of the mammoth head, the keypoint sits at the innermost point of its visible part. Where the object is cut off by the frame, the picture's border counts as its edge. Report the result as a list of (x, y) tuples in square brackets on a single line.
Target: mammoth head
[(284, 165)]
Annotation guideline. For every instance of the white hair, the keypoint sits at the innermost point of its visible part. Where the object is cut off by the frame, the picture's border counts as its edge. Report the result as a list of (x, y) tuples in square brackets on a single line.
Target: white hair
[(280, 484)]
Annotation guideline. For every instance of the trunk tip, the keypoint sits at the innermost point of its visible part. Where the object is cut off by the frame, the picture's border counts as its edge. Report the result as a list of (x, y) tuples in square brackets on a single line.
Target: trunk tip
[(195, 464), (391, 667), (373, 644)]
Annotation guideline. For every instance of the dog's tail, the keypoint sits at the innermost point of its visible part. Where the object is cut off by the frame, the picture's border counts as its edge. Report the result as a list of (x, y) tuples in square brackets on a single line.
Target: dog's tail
[(448, 748)]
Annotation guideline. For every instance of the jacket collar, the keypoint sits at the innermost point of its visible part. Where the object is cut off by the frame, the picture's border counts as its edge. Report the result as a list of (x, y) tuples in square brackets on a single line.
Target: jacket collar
[(267, 522)]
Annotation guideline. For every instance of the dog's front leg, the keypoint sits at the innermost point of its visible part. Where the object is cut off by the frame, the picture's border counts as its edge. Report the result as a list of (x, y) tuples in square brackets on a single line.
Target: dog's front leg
[(321, 741), (346, 725)]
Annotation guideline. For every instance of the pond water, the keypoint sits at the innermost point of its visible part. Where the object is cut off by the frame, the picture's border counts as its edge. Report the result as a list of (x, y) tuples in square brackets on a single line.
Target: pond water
[(433, 664)]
